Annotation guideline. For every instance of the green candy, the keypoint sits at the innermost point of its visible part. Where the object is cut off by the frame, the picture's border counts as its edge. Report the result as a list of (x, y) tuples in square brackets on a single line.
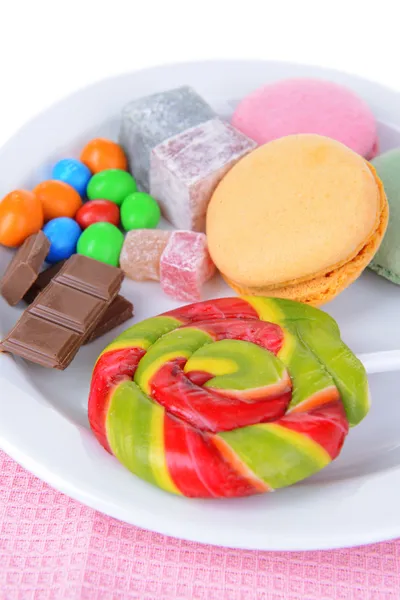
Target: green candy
[(113, 184), (139, 211), (103, 242)]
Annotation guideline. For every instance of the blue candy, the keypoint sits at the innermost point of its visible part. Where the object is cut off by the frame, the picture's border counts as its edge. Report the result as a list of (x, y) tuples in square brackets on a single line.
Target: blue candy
[(73, 172), (63, 234)]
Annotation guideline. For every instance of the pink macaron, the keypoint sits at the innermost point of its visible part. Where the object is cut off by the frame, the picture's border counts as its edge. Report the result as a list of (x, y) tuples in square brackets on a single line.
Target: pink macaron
[(316, 106)]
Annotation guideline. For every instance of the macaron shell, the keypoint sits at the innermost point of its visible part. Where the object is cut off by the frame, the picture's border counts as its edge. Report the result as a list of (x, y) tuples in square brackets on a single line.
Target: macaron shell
[(292, 210), (305, 105), (387, 260), (322, 289)]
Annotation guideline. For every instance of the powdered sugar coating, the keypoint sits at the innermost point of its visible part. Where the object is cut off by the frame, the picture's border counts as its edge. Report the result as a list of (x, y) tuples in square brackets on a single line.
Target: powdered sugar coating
[(148, 121), (185, 265), (141, 253), (185, 170)]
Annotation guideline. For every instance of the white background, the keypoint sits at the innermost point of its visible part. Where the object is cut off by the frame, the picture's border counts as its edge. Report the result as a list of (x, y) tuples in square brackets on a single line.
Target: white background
[(49, 49)]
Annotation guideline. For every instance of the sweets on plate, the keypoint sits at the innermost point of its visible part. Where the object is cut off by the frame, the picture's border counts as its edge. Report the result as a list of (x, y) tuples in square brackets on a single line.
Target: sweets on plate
[(100, 154), (42, 280), (230, 397), (298, 218), (63, 234), (149, 121), (113, 185), (185, 169), (300, 105), (58, 199), (386, 261), (141, 253), (185, 265), (179, 259), (73, 172), (102, 242), (91, 277), (119, 311), (139, 211), (21, 215), (64, 315), (98, 211), (24, 268)]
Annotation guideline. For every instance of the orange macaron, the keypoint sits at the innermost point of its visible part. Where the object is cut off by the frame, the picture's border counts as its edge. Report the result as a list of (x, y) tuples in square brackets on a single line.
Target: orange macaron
[(299, 218)]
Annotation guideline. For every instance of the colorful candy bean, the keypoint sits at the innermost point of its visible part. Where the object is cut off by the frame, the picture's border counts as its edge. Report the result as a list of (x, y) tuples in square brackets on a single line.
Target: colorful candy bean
[(63, 234), (73, 172), (113, 184), (100, 154), (58, 199), (103, 242), (97, 211), (139, 211), (21, 214)]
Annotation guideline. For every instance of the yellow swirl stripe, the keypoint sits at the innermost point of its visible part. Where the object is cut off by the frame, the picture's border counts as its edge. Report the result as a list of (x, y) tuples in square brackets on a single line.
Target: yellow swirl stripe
[(239, 465), (266, 308), (300, 441), (135, 433), (157, 455), (144, 334), (288, 347), (326, 396), (277, 455), (134, 343), (178, 344)]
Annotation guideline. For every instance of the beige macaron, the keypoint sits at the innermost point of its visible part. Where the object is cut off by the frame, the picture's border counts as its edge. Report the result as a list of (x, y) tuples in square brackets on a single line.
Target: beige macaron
[(298, 218)]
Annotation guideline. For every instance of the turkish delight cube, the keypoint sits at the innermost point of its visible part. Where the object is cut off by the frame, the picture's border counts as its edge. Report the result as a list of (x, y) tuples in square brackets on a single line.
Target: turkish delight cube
[(148, 121), (141, 253), (185, 265), (185, 170)]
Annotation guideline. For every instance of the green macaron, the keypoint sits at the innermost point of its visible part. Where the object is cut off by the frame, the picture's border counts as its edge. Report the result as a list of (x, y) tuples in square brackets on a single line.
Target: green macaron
[(386, 261)]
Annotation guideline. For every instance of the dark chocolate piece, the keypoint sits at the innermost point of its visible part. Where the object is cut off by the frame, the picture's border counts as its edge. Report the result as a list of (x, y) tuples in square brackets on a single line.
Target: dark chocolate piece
[(42, 280), (23, 269), (51, 330), (119, 311)]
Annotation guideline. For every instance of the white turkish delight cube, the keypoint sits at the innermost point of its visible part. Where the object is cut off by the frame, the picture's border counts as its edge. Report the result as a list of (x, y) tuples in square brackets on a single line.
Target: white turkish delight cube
[(185, 170)]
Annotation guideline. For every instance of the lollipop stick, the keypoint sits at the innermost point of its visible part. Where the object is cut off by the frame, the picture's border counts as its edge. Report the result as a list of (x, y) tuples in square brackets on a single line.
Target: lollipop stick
[(380, 362)]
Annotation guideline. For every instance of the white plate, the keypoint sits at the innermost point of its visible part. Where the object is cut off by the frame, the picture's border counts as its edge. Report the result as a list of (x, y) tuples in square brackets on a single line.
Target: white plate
[(43, 422)]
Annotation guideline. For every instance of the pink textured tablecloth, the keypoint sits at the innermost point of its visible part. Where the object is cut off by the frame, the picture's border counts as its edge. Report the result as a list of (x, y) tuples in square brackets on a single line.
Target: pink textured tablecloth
[(52, 547)]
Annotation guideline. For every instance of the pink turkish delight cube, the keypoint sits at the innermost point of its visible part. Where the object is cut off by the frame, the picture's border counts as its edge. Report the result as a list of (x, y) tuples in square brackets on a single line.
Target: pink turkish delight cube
[(186, 168), (141, 253), (185, 265)]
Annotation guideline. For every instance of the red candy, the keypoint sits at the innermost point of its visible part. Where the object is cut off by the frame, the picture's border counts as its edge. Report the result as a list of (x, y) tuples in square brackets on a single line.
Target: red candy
[(97, 211)]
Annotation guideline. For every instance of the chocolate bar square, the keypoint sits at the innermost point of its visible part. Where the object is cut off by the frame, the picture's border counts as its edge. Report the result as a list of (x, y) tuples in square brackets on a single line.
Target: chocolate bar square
[(68, 307)]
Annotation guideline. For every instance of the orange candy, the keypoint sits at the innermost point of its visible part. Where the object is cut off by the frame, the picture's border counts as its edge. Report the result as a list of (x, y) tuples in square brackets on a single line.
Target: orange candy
[(21, 215), (58, 199), (101, 154)]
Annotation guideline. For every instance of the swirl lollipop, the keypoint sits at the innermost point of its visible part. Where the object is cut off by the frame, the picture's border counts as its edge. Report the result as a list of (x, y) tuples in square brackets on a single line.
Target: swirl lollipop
[(229, 397)]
